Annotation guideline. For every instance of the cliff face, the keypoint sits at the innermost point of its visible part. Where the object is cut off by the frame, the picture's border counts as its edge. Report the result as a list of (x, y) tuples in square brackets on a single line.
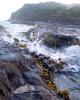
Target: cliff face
[(47, 12)]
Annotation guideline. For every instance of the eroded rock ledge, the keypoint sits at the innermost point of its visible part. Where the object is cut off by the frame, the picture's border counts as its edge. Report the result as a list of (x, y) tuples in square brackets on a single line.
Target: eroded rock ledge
[(28, 78)]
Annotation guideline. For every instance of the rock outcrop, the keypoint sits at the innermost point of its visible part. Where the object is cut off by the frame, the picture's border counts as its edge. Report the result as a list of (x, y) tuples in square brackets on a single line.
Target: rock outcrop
[(2, 29), (27, 78), (59, 40)]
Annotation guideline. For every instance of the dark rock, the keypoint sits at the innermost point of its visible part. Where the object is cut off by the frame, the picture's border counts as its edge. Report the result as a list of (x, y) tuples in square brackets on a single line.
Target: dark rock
[(2, 29), (31, 74), (5, 86), (32, 78), (18, 71), (56, 41), (40, 93), (13, 74)]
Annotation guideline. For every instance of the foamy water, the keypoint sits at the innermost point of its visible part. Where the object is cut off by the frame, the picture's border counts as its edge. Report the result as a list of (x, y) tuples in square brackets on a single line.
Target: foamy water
[(71, 54), (13, 31)]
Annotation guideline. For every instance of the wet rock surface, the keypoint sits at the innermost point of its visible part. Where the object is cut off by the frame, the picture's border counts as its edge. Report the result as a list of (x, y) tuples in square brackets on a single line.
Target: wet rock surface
[(30, 75), (54, 35), (20, 71), (57, 41), (2, 28)]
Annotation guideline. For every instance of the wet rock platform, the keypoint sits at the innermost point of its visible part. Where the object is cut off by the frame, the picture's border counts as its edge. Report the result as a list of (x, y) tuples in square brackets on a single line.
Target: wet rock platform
[(25, 77)]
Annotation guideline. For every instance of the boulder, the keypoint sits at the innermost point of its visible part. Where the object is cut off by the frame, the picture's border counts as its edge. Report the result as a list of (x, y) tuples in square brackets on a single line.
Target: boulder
[(56, 41), (2, 28), (13, 74), (5, 86)]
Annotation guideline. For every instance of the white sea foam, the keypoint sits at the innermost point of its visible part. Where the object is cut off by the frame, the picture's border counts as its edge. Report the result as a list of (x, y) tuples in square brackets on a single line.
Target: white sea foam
[(14, 30), (71, 54)]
